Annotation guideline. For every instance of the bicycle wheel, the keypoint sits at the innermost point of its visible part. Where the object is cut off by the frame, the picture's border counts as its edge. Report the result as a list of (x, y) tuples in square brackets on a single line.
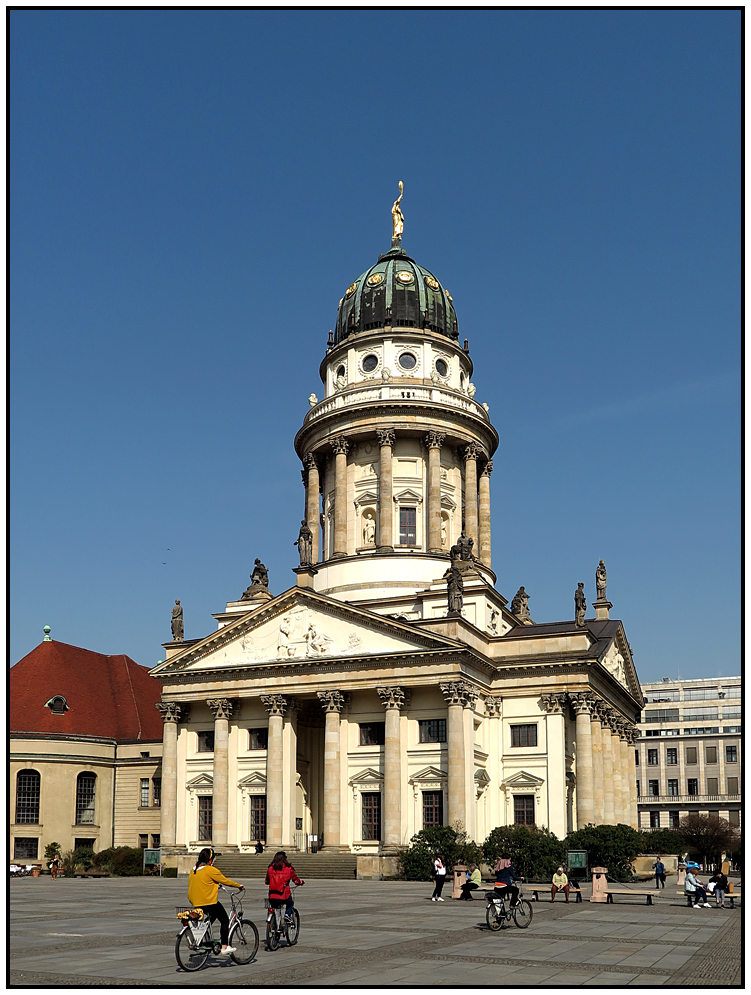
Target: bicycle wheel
[(293, 928), (272, 936), (188, 954), (491, 918), (244, 938), (522, 913)]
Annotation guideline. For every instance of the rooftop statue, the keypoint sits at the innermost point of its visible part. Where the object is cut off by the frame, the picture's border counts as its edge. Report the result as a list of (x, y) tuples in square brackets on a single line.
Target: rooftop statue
[(520, 604), (462, 548), (177, 622), (259, 582), (601, 576), (304, 543), (455, 589), (396, 213), (580, 603)]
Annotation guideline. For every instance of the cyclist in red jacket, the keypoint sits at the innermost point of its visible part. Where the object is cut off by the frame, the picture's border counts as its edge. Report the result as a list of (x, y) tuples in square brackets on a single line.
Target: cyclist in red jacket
[(278, 877)]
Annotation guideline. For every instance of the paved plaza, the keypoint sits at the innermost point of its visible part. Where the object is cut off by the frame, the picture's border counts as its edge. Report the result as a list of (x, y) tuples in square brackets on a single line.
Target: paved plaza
[(121, 932)]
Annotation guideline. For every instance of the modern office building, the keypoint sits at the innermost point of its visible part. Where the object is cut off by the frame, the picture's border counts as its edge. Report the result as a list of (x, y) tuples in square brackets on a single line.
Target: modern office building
[(688, 756)]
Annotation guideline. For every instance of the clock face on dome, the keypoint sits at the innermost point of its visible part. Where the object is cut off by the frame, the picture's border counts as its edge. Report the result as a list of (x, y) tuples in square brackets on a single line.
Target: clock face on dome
[(432, 283), (404, 276), (375, 279)]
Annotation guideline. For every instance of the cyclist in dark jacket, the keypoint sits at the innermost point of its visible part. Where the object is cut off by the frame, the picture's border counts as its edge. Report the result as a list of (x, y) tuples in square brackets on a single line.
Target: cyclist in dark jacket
[(505, 875)]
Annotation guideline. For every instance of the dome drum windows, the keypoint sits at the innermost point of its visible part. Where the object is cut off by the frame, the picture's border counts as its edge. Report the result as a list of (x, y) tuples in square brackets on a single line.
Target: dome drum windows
[(408, 361), (442, 367), (369, 363)]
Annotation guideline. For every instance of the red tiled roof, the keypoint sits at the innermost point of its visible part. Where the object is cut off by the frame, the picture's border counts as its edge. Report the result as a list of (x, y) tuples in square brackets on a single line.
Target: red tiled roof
[(108, 696)]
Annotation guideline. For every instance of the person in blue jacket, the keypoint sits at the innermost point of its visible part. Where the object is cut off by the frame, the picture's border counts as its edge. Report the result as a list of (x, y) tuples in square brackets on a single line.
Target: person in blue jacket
[(505, 875)]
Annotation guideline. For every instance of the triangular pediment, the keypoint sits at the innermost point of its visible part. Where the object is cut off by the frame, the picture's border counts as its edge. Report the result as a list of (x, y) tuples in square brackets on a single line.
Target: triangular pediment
[(366, 497), (428, 774), (300, 628), (618, 662), (482, 776), (200, 781), (522, 779), (408, 494), (253, 780), (368, 776)]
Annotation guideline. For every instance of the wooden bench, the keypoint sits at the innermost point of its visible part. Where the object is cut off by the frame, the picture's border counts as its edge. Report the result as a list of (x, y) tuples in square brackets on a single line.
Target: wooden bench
[(92, 874), (546, 888), (631, 891), (728, 895)]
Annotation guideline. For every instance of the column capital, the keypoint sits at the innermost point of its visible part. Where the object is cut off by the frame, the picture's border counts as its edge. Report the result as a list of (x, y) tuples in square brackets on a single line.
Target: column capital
[(340, 445), (173, 711), (393, 697), (459, 693), (610, 718), (471, 450), (493, 706), (309, 461), (221, 707), (434, 440), (632, 733), (333, 701), (386, 436), (276, 704), (487, 469), (554, 703), (582, 702)]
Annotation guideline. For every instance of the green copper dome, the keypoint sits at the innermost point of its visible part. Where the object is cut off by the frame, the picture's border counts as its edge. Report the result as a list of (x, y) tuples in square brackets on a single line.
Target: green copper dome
[(396, 291)]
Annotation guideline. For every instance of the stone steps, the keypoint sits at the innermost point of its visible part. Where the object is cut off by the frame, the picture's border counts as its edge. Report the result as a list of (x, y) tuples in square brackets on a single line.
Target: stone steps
[(308, 865)]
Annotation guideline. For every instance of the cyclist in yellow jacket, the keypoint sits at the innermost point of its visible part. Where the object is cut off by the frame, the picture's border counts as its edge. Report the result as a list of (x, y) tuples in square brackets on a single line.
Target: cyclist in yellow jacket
[(203, 893)]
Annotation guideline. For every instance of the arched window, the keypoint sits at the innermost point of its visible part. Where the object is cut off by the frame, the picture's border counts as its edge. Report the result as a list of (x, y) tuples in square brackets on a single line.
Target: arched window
[(27, 796), (57, 705), (85, 796)]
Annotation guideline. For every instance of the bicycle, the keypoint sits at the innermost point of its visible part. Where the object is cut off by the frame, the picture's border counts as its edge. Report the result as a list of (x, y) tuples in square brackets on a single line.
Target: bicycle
[(195, 941), (278, 925), (497, 916)]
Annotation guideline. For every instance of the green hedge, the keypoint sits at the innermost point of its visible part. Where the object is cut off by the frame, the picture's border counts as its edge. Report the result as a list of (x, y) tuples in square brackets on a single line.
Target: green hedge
[(535, 853), (120, 861), (613, 847), (169, 872), (416, 860)]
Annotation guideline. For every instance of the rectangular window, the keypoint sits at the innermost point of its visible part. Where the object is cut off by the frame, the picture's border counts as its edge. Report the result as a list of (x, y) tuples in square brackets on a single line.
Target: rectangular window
[(672, 756), (662, 696), (732, 729), (653, 758), (732, 785), (733, 691), (730, 712), (205, 817), (143, 840), (206, 742), (731, 754), (734, 818), (432, 808), (372, 733), (712, 786), (258, 817), (673, 786), (710, 754), (83, 844), (27, 796), (638, 789), (671, 732), (654, 820), (25, 848), (258, 739), (702, 731), (654, 789), (85, 791), (524, 735), (156, 841), (636, 752), (408, 526), (674, 819), (144, 802), (693, 786), (433, 731), (660, 715), (371, 815), (691, 755), (700, 713), (699, 694), (156, 794), (524, 810)]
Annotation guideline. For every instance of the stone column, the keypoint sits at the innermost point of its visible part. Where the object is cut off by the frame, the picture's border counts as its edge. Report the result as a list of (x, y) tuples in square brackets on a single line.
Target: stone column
[(276, 705), (458, 696), (386, 440), (493, 710), (633, 736), (222, 710), (393, 700), (555, 705), (598, 793), (470, 453), (585, 800), (625, 775), (607, 768), (171, 714), (618, 814), (333, 702), (434, 441), (484, 554), (289, 735), (312, 504), (340, 447)]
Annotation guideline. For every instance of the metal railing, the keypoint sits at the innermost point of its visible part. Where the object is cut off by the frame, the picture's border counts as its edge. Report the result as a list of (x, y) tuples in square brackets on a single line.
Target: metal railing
[(394, 392)]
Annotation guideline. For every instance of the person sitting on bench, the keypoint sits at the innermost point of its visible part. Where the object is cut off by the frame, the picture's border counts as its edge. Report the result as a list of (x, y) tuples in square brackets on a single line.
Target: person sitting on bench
[(560, 883), (474, 880), (693, 887)]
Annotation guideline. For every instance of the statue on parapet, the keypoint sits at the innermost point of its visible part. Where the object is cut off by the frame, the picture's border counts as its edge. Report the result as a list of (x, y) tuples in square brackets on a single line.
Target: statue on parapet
[(304, 543), (520, 605), (455, 584), (462, 548), (580, 604), (601, 577), (259, 582), (178, 633)]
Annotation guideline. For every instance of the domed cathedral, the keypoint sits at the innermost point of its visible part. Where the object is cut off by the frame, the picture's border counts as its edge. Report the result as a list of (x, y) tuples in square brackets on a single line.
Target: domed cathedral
[(393, 688)]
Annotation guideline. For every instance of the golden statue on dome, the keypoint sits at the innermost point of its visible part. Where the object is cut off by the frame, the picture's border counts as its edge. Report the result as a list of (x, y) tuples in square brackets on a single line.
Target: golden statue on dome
[(396, 213)]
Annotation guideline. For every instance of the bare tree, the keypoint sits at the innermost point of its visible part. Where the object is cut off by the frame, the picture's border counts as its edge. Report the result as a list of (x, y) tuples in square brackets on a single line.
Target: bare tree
[(707, 837)]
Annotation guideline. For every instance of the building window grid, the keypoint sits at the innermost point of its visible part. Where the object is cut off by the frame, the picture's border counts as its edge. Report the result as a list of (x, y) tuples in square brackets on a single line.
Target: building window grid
[(28, 784), (258, 739), (258, 817), (156, 793), (408, 526), (205, 817), (524, 735), (371, 815), (732, 785), (25, 848), (672, 756), (206, 742), (524, 810), (144, 792), (673, 786), (731, 754), (654, 789), (432, 809), (373, 733), (692, 785), (432, 730), (653, 758), (710, 754), (85, 799)]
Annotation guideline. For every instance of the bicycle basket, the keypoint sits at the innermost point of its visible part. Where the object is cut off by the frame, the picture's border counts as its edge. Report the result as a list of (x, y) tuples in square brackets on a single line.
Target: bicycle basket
[(188, 914)]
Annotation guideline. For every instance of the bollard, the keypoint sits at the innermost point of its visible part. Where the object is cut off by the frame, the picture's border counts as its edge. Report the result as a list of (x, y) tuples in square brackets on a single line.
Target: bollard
[(599, 885), (460, 876)]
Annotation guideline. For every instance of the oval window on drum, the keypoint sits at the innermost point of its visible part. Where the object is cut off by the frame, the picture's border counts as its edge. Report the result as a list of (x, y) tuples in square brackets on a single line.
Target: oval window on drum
[(407, 361), (369, 363), (442, 367)]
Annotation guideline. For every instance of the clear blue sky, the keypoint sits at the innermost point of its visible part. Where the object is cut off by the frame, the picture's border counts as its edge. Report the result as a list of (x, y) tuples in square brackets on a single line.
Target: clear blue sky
[(192, 191)]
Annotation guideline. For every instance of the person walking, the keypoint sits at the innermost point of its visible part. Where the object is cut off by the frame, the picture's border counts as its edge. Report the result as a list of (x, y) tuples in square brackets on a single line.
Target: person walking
[(439, 873), (560, 883), (474, 880), (659, 869), (55, 866), (720, 882)]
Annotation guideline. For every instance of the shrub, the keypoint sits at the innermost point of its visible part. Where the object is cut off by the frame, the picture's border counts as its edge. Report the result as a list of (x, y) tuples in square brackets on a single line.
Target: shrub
[(83, 856), (613, 847), (68, 864), (535, 853), (663, 841), (707, 838), (50, 850), (416, 860), (169, 872), (121, 861)]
